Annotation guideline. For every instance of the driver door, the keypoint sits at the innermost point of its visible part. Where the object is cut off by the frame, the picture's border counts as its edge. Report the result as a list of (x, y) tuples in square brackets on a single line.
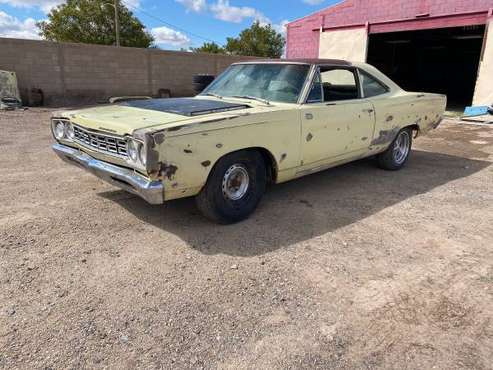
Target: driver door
[(336, 123)]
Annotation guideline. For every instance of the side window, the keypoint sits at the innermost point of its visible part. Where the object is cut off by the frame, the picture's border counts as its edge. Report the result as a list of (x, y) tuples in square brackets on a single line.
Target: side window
[(371, 87), (315, 95), (339, 84)]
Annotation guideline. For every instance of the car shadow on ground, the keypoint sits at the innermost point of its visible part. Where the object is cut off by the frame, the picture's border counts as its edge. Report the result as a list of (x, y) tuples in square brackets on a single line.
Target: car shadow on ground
[(305, 208)]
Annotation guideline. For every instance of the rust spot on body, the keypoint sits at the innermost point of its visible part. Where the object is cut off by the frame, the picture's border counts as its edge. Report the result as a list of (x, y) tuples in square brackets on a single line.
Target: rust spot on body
[(206, 163), (188, 151), (159, 138), (168, 171), (309, 137), (389, 118), (283, 157), (385, 136)]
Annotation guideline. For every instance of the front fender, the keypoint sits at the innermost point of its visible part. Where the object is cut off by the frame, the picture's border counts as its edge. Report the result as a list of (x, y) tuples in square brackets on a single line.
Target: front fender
[(183, 160)]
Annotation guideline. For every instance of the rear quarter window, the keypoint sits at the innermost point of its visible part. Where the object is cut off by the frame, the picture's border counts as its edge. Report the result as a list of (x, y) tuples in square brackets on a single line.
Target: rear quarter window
[(371, 86)]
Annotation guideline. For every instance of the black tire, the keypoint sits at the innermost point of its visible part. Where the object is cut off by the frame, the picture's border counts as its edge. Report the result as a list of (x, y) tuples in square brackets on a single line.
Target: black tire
[(200, 82), (216, 204), (393, 160), (199, 87), (164, 93), (202, 79)]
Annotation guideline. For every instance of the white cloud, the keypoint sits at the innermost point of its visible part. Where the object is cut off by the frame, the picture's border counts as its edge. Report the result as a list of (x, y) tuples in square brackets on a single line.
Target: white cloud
[(13, 27), (132, 4), (44, 5), (194, 5), (313, 2), (47, 5), (224, 11), (167, 36), (281, 27)]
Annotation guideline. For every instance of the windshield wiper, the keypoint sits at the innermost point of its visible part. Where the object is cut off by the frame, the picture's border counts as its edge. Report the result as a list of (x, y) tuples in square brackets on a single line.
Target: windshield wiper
[(212, 94), (252, 98)]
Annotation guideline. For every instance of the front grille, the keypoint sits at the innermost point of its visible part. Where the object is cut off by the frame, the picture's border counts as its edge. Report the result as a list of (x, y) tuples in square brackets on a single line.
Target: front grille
[(102, 142)]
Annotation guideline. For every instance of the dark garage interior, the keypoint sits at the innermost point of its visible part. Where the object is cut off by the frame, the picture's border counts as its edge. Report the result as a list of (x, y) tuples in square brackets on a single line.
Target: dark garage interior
[(442, 60)]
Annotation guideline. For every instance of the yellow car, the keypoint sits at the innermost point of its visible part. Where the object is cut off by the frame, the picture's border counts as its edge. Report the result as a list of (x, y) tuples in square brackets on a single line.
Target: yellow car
[(259, 122)]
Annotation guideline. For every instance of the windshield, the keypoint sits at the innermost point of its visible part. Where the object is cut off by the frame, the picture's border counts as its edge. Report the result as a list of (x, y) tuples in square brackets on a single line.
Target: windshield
[(271, 82)]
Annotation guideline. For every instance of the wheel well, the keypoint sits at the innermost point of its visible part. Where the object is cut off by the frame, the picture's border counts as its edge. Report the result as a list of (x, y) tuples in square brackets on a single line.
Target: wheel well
[(269, 160), (270, 163), (414, 127)]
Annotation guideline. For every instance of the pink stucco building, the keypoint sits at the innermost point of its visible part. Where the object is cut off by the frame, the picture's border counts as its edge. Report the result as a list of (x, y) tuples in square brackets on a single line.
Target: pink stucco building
[(438, 45)]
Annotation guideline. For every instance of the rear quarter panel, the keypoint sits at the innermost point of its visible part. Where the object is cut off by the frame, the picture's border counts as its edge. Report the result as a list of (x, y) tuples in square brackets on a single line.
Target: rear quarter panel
[(392, 113)]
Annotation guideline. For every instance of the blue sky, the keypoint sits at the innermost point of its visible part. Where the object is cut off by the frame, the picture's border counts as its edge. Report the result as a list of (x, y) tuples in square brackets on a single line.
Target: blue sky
[(181, 24)]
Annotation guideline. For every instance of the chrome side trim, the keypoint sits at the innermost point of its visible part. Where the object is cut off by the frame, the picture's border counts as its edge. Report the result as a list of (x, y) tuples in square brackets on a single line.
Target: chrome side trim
[(123, 178)]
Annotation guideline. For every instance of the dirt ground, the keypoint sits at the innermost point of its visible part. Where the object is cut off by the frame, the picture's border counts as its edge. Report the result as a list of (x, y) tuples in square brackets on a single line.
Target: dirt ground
[(353, 267)]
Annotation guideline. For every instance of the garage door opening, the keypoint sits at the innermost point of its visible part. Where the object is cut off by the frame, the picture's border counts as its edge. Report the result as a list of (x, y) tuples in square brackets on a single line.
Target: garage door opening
[(443, 60)]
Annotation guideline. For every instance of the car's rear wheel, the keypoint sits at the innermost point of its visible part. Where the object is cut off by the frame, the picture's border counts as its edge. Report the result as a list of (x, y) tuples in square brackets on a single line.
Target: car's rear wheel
[(234, 187), (397, 154)]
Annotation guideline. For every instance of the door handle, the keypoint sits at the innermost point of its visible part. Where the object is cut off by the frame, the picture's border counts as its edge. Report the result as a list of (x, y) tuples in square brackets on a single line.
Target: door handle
[(308, 116)]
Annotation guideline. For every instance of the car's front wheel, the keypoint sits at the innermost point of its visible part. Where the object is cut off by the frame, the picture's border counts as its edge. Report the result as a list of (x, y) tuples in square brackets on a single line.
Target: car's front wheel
[(234, 187), (397, 154)]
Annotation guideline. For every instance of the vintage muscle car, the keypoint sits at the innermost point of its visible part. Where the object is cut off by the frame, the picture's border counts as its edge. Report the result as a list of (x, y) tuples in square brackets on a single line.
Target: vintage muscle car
[(259, 122)]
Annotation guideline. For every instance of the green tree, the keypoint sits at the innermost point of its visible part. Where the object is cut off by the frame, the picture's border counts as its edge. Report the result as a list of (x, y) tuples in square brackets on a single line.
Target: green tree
[(210, 47), (258, 40), (93, 22)]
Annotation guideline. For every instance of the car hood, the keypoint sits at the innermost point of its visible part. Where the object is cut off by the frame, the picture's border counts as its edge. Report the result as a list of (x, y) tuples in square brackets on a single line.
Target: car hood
[(125, 118)]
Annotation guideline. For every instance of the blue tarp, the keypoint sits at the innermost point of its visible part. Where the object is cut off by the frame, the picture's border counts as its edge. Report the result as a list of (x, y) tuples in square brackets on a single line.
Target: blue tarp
[(476, 111)]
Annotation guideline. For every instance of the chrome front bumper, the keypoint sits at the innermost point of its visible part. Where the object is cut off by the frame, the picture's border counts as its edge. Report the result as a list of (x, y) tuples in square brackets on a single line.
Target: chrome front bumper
[(123, 178)]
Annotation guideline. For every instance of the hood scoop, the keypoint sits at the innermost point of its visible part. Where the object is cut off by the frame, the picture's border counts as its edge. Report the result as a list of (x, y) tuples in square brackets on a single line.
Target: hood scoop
[(189, 107)]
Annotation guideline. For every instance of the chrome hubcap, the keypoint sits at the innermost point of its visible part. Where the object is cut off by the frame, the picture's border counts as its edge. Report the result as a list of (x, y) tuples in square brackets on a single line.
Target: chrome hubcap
[(235, 182), (401, 147)]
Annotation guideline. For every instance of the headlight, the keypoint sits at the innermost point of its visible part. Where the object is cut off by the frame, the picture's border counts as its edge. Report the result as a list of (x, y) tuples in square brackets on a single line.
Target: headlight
[(142, 155), (133, 150), (59, 129), (69, 131)]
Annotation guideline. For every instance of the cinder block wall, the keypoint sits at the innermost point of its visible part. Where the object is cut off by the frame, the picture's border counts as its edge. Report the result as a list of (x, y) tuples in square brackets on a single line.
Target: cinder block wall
[(70, 73)]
